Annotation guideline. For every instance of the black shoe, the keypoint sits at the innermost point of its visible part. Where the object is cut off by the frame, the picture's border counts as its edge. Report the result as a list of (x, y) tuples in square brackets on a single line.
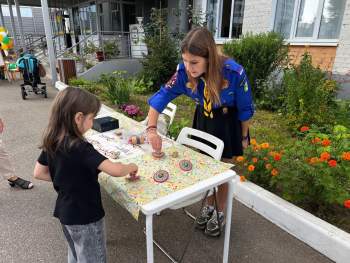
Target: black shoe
[(202, 220), (215, 227)]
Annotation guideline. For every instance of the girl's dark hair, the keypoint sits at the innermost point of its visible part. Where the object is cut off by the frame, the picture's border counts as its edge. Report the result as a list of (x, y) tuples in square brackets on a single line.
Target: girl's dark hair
[(200, 42), (62, 124)]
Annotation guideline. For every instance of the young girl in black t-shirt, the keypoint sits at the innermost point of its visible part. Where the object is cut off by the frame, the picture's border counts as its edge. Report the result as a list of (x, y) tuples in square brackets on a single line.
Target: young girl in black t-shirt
[(73, 165)]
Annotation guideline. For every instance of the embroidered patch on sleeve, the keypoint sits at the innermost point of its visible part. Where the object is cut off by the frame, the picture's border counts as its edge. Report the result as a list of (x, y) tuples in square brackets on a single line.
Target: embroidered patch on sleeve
[(172, 81), (246, 86)]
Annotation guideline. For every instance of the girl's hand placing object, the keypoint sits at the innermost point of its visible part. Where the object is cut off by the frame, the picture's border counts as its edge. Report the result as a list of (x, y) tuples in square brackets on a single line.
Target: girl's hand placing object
[(155, 140)]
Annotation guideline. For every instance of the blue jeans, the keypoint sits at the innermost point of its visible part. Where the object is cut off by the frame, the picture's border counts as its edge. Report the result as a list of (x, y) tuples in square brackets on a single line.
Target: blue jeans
[(86, 243)]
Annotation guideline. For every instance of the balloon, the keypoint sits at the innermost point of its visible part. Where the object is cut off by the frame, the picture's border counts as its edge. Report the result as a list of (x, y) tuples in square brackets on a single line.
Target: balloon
[(1, 38), (4, 46), (6, 40), (2, 29)]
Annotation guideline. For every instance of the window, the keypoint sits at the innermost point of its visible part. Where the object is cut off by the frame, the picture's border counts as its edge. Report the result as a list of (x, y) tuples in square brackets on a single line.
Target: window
[(25, 11), (225, 17), (309, 20)]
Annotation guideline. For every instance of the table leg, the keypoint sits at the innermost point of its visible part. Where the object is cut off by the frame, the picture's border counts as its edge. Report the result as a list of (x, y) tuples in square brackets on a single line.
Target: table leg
[(149, 238), (228, 221)]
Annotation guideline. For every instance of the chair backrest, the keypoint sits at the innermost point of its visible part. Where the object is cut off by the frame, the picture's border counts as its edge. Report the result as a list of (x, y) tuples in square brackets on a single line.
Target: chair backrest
[(170, 111), (186, 137)]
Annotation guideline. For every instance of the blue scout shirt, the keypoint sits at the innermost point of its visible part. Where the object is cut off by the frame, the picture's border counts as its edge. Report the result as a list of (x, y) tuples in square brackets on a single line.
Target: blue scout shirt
[(237, 92)]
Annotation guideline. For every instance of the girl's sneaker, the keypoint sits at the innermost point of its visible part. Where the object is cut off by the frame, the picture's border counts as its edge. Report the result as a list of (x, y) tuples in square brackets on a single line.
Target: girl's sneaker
[(203, 218), (214, 228)]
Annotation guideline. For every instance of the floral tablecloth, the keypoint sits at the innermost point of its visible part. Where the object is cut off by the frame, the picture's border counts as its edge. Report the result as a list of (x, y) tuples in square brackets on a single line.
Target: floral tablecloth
[(133, 194)]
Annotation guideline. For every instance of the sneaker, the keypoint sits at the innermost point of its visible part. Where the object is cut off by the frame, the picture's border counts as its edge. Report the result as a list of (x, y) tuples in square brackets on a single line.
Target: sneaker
[(202, 220), (214, 227)]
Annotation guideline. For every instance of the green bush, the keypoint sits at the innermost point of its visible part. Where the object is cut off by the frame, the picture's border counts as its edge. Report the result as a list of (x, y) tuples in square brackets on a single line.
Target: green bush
[(163, 56), (110, 48), (91, 86), (140, 85), (117, 87), (260, 55), (315, 171), (177, 126), (310, 96)]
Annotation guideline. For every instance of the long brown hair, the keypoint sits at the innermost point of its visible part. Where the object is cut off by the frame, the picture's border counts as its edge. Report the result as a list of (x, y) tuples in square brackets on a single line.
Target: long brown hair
[(200, 42), (62, 124)]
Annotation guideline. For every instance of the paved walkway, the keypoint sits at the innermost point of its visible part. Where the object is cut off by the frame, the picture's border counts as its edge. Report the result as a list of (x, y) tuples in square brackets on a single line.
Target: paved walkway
[(29, 233)]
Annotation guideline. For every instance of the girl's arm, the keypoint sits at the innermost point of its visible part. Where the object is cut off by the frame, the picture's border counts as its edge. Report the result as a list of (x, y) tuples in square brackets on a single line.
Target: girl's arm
[(117, 169), (41, 172)]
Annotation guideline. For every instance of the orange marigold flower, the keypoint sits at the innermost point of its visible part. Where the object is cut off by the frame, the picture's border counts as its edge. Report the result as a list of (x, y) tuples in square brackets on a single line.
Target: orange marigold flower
[(326, 142), (251, 168), (277, 157), (346, 156), (325, 156), (240, 159), (274, 172), (347, 203), (304, 128), (315, 140), (255, 160), (265, 145), (253, 142), (268, 166), (332, 163), (242, 178), (313, 160)]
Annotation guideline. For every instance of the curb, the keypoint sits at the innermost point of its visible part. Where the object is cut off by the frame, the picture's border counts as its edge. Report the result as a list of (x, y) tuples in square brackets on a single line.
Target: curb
[(327, 239)]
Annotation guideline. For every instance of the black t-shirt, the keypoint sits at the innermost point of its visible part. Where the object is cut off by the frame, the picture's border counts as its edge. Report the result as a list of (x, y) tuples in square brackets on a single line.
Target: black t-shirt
[(75, 178)]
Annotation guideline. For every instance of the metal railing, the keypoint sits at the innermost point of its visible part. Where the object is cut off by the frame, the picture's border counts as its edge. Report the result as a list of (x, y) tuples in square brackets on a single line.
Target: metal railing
[(112, 44)]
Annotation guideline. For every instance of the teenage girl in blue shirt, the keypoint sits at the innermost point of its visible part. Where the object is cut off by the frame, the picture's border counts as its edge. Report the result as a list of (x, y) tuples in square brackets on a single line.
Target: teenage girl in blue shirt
[(219, 86)]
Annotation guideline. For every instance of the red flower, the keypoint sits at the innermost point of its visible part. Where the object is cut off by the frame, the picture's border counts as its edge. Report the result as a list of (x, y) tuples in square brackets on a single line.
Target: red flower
[(347, 203), (277, 157), (251, 168), (304, 128), (346, 156), (326, 142), (315, 140), (325, 156), (332, 163)]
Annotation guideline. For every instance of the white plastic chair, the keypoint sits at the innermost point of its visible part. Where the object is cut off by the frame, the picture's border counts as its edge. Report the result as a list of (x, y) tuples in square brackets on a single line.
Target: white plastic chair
[(163, 124), (185, 138)]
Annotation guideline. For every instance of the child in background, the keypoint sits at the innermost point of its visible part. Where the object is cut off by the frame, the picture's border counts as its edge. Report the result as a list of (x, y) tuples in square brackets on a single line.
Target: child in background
[(73, 165), (7, 170)]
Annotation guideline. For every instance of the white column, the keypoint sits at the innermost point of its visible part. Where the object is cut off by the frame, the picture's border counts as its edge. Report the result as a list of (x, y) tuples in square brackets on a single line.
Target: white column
[(19, 19), (48, 33), (2, 17), (13, 25)]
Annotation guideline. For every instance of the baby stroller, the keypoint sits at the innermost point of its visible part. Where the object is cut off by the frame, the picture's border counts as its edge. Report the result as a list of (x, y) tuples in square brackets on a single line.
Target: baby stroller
[(29, 67)]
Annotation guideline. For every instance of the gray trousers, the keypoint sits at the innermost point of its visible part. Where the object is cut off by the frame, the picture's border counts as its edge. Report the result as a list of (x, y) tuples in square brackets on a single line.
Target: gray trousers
[(6, 167), (86, 243)]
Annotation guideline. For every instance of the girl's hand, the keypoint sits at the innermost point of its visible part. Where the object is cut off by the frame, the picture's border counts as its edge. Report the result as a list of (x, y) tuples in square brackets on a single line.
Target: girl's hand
[(133, 169), (155, 140)]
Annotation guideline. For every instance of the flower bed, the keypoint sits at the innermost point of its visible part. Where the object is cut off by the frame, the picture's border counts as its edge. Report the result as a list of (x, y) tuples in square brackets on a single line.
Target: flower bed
[(313, 172)]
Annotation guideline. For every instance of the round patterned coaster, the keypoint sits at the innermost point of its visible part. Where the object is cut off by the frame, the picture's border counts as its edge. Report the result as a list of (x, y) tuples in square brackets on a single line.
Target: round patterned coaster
[(185, 165), (161, 176), (158, 155)]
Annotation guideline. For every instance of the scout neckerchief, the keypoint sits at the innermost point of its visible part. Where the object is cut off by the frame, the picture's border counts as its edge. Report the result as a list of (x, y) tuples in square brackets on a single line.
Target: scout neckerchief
[(206, 101)]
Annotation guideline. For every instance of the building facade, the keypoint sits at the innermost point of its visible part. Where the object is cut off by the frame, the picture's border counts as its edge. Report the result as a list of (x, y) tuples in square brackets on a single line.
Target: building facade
[(321, 27)]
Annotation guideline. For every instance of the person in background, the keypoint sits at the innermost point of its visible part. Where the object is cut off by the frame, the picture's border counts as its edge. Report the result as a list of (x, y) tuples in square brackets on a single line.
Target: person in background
[(7, 170)]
